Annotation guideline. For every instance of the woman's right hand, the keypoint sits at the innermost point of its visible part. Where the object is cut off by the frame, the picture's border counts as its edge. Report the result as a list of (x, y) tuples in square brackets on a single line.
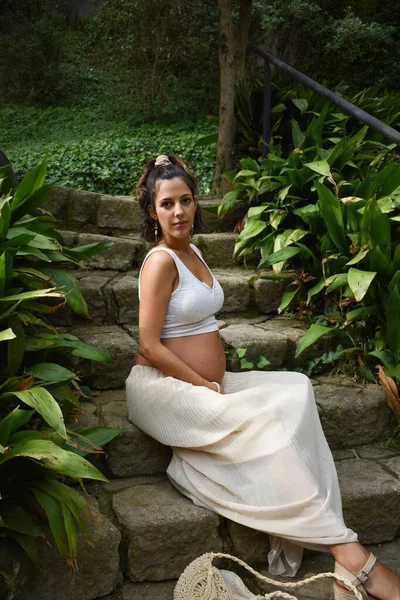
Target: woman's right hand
[(212, 386)]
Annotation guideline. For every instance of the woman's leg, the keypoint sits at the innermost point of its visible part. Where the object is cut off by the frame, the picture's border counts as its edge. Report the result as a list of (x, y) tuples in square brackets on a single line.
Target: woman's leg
[(382, 583)]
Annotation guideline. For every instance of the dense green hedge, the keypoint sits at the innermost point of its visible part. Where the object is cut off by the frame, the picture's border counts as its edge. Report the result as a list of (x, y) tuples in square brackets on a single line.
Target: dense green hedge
[(85, 150)]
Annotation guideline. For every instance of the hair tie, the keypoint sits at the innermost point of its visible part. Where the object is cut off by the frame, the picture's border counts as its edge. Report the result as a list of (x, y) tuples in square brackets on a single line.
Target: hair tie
[(162, 161)]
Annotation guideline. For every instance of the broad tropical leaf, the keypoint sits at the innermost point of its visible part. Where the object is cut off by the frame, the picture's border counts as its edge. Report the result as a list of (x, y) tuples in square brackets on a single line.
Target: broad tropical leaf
[(43, 402), (30, 183), (13, 421), (53, 457), (7, 334), (314, 333), (359, 282), (287, 297), (70, 287), (51, 372), (332, 214), (393, 323)]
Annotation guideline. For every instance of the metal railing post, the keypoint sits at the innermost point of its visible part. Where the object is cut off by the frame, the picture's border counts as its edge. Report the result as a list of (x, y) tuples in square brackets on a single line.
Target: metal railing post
[(267, 107)]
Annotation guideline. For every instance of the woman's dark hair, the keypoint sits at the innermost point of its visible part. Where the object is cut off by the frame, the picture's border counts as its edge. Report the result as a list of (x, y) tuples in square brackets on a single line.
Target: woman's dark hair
[(148, 184)]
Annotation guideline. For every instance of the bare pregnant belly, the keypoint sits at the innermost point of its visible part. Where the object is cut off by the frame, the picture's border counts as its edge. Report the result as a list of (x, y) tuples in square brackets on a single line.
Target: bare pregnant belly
[(204, 353)]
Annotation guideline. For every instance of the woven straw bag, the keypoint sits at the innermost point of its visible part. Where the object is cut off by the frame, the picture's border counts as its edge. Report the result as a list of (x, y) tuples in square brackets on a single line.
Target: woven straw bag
[(202, 581)]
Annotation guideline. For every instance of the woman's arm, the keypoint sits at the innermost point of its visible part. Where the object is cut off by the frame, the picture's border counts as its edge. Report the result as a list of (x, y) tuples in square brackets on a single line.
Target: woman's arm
[(156, 284)]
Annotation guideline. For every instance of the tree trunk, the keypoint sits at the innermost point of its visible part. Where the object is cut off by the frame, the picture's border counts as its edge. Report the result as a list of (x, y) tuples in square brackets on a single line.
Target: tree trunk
[(226, 128), (242, 37), (232, 56)]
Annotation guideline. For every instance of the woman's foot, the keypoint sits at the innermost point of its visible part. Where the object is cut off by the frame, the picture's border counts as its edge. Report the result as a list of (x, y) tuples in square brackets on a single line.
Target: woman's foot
[(382, 583)]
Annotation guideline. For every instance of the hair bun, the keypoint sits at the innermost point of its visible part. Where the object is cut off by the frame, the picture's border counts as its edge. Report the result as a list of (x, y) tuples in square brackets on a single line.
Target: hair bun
[(162, 161)]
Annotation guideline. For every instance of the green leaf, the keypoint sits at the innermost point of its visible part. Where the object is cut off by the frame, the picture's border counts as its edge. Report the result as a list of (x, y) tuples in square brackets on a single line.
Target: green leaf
[(43, 402), (55, 458), (301, 103), (37, 240), (386, 358), (5, 219), (48, 293), (30, 204), (7, 334), (30, 183), (249, 164), (89, 351), (245, 173), (30, 251), (315, 290), (298, 136), (262, 362), (82, 252), (314, 333), (359, 282), (287, 297), (55, 517), (227, 203), (280, 255), (70, 287), (245, 364), (96, 436), (284, 192), (14, 420), (332, 215), (70, 498), (51, 372), (241, 352), (319, 166), (29, 545), (17, 519), (359, 314), (393, 323), (15, 346), (362, 253), (207, 140), (336, 281)]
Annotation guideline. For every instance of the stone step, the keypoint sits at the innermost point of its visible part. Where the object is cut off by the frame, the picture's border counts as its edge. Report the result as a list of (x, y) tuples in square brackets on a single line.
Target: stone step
[(313, 564), (128, 251), (91, 212), (164, 531), (112, 296), (272, 337), (351, 416)]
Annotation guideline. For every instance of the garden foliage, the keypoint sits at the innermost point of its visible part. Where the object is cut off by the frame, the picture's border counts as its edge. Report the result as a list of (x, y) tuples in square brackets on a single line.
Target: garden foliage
[(326, 205), (86, 150), (39, 456)]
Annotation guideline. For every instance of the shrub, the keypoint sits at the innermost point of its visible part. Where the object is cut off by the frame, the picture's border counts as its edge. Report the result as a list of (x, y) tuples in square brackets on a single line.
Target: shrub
[(327, 205), (39, 457)]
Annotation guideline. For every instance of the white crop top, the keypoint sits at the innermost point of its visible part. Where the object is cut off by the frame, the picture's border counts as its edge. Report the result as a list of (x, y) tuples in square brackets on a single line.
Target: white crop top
[(192, 306)]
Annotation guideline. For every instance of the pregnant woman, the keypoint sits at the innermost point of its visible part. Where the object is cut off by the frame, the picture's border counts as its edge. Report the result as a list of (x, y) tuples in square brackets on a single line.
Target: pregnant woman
[(249, 446)]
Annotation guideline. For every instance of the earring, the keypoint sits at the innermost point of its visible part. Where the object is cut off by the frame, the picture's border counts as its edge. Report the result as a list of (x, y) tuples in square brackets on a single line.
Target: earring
[(156, 231), (192, 230)]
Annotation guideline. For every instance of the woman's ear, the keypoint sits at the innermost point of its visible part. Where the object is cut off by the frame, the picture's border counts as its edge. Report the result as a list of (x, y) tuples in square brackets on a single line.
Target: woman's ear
[(152, 212)]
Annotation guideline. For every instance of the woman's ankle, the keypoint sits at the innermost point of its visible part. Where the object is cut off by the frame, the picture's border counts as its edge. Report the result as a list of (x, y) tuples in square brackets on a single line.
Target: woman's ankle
[(351, 556)]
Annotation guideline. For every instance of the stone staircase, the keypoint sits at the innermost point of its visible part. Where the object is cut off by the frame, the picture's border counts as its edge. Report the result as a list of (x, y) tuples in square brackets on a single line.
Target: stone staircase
[(160, 530)]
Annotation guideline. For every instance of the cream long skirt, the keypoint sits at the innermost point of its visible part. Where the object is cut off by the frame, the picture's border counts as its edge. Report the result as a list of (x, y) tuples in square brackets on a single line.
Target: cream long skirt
[(256, 455)]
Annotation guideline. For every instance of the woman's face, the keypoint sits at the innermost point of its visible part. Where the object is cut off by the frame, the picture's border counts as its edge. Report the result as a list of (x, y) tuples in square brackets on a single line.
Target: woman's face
[(175, 208)]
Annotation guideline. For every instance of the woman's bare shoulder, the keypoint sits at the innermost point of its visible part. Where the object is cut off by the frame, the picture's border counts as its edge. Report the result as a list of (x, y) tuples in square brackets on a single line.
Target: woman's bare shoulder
[(159, 265)]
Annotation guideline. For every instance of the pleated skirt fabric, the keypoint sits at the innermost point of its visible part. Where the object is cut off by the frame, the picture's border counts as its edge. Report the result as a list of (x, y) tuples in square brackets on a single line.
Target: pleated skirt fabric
[(256, 455)]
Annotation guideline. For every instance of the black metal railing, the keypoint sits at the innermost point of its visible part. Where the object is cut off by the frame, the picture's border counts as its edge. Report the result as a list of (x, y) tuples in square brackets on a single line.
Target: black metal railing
[(269, 59)]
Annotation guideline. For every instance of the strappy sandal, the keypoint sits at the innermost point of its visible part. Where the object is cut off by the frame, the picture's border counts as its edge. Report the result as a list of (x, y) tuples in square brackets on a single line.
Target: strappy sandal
[(357, 580)]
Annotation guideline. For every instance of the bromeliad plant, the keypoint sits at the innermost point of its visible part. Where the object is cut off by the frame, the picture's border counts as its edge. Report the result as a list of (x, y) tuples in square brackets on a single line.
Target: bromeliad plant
[(39, 456), (329, 210)]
